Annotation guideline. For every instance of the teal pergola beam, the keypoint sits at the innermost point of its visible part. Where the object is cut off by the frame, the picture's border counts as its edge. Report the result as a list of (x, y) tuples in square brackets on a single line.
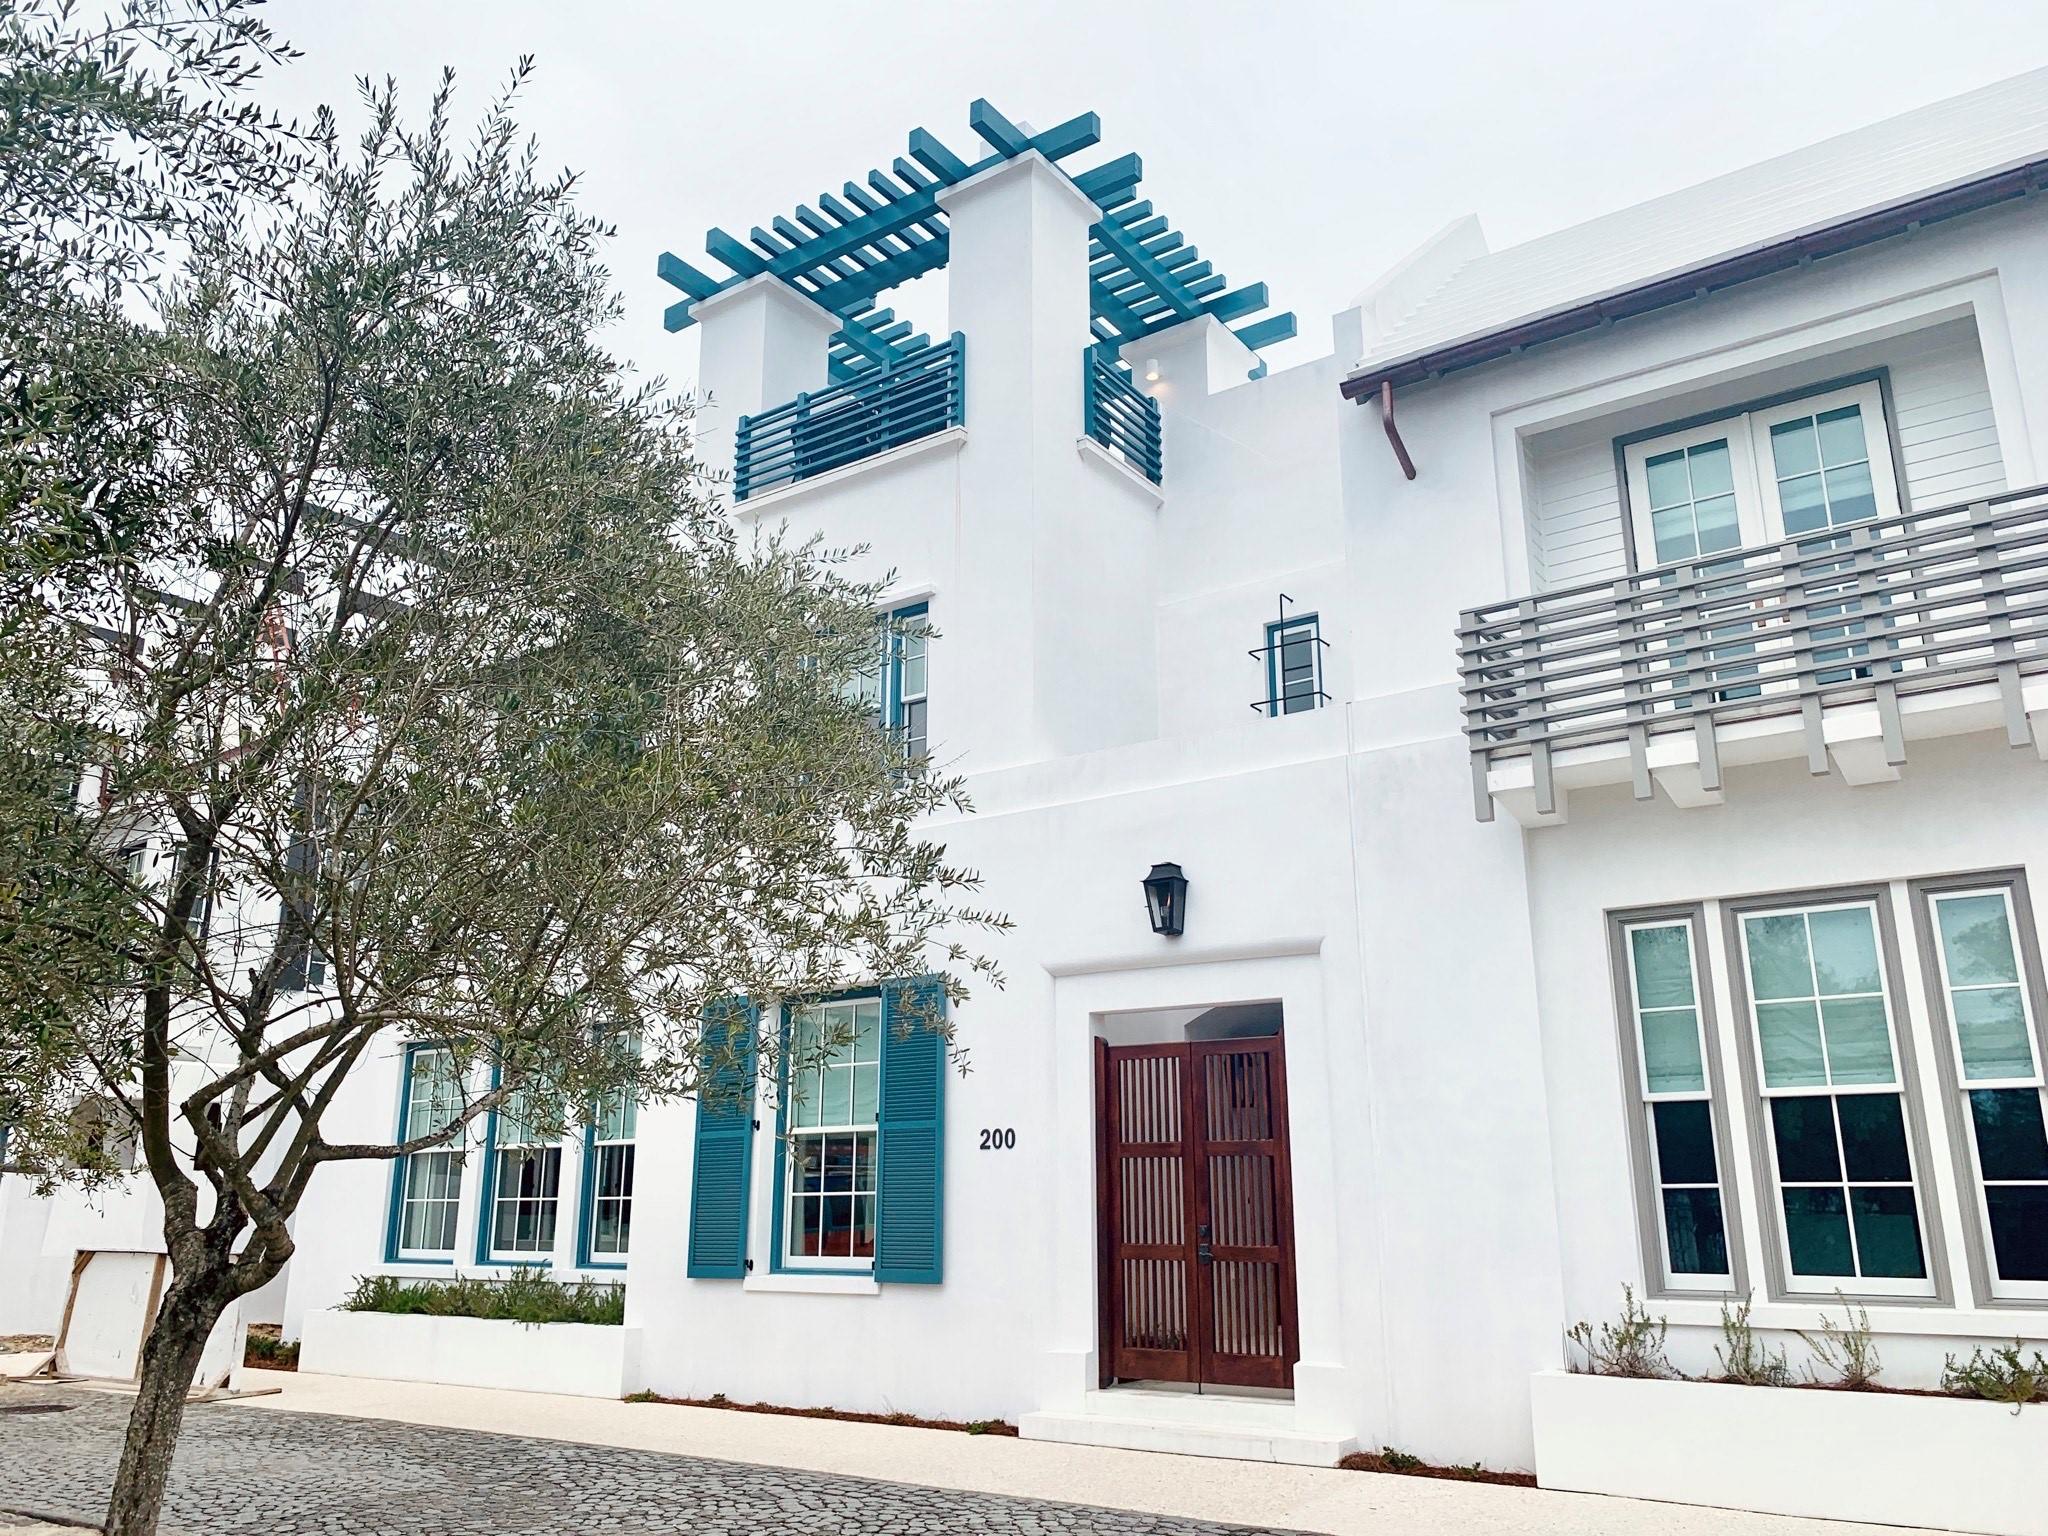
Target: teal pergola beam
[(842, 251)]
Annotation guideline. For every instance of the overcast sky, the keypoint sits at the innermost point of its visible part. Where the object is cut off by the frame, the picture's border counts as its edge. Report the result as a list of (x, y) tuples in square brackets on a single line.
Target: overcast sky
[(1308, 146)]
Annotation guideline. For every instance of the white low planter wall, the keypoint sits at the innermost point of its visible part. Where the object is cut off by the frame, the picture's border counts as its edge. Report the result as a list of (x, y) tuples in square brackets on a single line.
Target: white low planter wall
[(578, 1359), (1888, 1458)]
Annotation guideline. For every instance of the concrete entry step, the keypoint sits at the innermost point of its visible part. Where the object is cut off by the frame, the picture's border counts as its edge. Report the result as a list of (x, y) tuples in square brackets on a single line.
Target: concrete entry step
[(1190, 1424)]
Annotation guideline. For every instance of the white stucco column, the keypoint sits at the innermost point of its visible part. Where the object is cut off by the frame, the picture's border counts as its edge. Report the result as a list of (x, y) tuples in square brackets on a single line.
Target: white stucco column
[(764, 344), (1194, 359), (1065, 649)]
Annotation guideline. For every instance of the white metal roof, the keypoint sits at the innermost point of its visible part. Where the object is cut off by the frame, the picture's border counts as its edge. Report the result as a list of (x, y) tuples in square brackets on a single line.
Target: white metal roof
[(1917, 152)]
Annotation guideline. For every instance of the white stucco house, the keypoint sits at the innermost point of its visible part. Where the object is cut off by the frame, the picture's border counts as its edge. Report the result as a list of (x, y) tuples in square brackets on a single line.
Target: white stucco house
[(1598, 712)]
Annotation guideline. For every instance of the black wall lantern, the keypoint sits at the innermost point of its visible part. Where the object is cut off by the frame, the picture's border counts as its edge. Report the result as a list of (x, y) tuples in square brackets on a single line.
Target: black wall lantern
[(1166, 898)]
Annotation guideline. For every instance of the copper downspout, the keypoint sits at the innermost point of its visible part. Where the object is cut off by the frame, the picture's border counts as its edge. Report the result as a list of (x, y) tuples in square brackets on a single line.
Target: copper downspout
[(1394, 432)]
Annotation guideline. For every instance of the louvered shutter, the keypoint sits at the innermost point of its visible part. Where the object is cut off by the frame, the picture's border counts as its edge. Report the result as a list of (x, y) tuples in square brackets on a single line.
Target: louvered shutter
[(911, 1165), (723, 1167)]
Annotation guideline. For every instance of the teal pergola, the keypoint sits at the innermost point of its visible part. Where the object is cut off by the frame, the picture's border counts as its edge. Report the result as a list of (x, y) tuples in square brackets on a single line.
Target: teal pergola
[(1143, 276)]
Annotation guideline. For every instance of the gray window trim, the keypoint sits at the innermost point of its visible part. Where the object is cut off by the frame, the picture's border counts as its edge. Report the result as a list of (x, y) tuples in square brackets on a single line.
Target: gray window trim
[(1962, 1144), (1933, 1229), (1642, 1166), (1880, 376)]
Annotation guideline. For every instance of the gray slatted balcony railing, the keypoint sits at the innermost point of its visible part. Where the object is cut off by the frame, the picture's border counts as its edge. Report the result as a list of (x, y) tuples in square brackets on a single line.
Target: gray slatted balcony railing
[(883, 408), (1870, 612)]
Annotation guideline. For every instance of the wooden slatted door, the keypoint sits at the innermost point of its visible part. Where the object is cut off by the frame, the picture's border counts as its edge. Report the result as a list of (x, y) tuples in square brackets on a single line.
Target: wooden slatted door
[(1244, 1213), (1198, 1235)]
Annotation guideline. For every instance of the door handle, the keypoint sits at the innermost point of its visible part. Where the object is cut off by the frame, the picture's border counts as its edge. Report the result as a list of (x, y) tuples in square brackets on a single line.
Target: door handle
[(1204, 1254)]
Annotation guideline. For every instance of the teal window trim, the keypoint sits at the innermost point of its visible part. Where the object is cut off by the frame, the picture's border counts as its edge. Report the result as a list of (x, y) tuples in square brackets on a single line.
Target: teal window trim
[(399, 1165), (1277, 631), (487, 1214), (778, 1260), (586, 1204), (895, 707), (586, 1197)]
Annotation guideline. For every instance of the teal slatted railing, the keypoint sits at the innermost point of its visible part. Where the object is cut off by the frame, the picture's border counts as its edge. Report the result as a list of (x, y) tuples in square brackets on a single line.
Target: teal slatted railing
[(1121, 417), (883, 408)]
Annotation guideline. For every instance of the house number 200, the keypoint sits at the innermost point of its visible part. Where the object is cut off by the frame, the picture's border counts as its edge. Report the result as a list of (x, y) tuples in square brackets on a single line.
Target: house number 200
[(998, 1141)]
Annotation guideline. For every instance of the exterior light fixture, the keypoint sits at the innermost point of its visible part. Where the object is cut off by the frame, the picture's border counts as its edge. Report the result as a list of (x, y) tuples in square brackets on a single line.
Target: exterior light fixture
[(1166, 899), (1151, 370)]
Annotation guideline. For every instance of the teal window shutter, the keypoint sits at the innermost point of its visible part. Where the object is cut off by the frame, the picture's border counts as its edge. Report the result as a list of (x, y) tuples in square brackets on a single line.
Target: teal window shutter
[(723, 1166), (911, 1162)]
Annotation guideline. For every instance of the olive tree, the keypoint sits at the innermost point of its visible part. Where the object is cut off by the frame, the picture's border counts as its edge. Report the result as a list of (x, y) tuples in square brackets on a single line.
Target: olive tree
[(426, 694)]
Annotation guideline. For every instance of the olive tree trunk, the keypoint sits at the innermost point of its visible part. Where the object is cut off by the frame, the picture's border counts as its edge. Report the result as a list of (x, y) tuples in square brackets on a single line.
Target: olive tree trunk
[(170, 1358)]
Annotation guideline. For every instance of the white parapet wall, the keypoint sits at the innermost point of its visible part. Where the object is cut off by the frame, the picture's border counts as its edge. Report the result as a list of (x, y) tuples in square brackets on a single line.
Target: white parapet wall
[(574, 1359), (1892, 1458)]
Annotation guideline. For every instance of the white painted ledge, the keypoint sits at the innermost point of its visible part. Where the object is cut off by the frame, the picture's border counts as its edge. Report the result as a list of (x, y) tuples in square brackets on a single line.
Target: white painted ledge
[(574, 1359), (754, 508), (813, 1285), (1888, 1458), (1094, 453)]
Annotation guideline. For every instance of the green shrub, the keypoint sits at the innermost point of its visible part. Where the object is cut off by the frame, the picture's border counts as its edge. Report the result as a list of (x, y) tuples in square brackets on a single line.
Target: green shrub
[(1744, 1358), (1399, 1461), (1999, 1377), (1632, 1347), (526, 1296), (1848, 1353)]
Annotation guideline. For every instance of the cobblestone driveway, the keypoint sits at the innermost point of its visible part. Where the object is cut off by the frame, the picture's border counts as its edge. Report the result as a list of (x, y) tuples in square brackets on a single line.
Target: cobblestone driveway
[(293, 1474)]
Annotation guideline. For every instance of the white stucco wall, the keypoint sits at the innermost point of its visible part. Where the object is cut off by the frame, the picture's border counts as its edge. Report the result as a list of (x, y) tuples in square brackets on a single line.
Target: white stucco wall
[(1462, 1182)]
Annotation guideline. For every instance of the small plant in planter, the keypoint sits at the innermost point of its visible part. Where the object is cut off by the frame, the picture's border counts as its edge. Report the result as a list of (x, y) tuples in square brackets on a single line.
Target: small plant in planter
[(1633, 1347), (1745, 1359), (1999, 1376), (1847, 1353)]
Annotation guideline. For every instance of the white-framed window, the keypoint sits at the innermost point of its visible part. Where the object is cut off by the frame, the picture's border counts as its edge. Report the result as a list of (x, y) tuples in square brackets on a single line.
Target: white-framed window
[(1837, 1122), (895, 691), (830, 1120), (430, 1183), (1673, 1081), (1294, 665), (1804, 466), (526, 1181), (1980, 949), (609, 1169)]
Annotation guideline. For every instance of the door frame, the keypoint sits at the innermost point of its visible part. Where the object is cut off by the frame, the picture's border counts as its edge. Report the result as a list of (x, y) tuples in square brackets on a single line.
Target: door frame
[(1200, 1363)]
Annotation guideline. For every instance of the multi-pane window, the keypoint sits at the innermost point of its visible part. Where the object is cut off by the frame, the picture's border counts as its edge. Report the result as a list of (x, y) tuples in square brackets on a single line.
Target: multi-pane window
[(834, 1091), (1672, 1078), (526, 1180), (429, 1181), (1837, 1122), (1802, 466), (1820, 470), (894, 689), (1692, 500), (610, 1171), (1294, 665), (906, 676), (1994, 1033)]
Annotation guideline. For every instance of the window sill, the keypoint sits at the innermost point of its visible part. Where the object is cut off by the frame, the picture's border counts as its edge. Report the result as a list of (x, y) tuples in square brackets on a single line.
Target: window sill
[(852, 1284), (1888, 1315)]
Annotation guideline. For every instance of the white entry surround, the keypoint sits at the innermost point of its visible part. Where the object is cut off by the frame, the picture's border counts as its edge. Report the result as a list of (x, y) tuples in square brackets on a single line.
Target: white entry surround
[(1469, 1167), (1320, 1423)]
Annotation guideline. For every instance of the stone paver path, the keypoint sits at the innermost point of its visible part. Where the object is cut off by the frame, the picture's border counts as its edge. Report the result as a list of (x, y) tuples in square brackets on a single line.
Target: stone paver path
[(302, 1474)]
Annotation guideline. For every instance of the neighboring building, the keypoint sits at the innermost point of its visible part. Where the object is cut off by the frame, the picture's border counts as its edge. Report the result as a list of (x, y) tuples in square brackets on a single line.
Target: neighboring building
[(1720, 571)]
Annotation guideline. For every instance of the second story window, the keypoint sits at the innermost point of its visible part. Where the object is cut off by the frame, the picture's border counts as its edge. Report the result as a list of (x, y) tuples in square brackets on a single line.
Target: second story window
[(1293, 654), (895, 689), (1778, 471)]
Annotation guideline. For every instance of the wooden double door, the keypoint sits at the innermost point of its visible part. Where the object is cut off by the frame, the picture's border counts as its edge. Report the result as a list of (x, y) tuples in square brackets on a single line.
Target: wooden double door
[(1195, 1202)]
